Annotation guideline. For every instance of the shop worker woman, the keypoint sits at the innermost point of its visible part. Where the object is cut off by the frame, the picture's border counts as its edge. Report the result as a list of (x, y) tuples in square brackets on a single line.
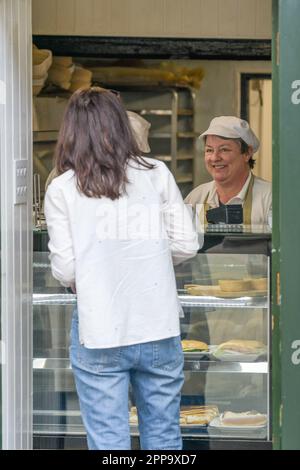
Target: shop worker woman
[(229, 147), (117, 223)]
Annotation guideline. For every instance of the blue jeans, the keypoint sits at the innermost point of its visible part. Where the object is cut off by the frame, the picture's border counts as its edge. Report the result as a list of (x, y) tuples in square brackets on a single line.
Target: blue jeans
[(102, 376)]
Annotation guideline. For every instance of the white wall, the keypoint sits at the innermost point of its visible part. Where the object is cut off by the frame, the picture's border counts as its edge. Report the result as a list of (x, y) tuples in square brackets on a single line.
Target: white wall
[(260, 110), (220, 95), (154, 18)]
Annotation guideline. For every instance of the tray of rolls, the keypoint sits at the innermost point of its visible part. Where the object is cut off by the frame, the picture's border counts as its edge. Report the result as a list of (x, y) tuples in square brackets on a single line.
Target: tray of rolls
[(230, 288), (190, 416), (234, 350), (209, 416)]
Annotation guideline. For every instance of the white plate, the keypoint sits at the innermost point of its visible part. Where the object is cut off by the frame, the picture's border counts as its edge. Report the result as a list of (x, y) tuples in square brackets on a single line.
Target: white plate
[(216, 423), (197, 355), (194, 425), (201, 354)]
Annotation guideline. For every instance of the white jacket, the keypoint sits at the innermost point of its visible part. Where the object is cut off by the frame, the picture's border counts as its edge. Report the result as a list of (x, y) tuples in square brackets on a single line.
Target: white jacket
[(120, 254)]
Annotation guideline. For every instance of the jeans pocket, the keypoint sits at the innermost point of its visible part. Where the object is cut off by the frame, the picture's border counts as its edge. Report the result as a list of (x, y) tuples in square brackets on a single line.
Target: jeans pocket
[(96, 360), (167, 353), (91, 360)]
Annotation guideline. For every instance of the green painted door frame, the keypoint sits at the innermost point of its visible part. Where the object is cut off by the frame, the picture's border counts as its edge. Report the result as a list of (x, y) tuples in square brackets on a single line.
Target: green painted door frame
[(286, 224)]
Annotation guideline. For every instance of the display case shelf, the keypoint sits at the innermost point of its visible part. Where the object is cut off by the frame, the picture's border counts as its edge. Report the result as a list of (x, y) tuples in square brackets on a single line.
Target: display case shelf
[(238, 383), (210, 301), (195, 365), (226, 367), (54, 299), (185, 300), (163, 112)]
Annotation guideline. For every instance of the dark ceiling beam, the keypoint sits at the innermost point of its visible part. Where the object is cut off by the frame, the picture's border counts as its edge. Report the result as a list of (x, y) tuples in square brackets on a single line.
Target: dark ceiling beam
[(156, 48)]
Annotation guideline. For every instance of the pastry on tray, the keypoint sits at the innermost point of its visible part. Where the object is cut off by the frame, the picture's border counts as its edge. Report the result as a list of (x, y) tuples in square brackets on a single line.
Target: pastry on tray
[(192, 345), (198, 415), (259, 283), (246, 418), (235, 285), (241, 346)]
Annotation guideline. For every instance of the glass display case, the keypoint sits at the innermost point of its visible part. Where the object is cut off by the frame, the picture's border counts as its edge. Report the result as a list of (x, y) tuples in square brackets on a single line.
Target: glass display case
[(225, 295)]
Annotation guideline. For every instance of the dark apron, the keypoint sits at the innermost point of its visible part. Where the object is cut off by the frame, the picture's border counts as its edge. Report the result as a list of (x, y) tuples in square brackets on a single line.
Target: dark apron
[(247, 206)]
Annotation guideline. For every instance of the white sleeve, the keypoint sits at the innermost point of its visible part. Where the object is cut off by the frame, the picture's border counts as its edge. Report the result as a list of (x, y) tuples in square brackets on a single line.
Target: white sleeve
[(182, 235), (60, 244)]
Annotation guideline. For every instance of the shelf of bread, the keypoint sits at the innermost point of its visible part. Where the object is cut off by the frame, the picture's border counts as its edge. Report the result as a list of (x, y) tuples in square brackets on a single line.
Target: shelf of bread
[(236, 355), (230, 288), (207, 419)]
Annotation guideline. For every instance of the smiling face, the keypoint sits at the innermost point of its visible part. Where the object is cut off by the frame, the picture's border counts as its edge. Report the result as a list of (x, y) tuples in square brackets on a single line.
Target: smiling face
[(224, 160)]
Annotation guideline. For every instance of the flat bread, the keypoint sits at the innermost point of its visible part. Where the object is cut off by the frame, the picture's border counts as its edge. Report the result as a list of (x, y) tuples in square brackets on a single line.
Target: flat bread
[(242, 346), (246, 418), (190, 345)]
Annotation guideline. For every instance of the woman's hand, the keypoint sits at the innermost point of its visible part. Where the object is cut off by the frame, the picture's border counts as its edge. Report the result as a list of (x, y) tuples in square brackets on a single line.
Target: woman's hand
[(73, 287)]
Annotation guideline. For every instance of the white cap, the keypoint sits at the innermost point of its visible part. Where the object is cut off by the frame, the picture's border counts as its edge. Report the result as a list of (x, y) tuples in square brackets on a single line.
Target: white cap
[(232, 127), (140, 129)]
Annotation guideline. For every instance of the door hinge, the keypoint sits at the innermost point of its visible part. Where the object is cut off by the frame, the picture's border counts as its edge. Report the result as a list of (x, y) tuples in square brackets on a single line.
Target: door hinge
[(278, 289), (277, 48)]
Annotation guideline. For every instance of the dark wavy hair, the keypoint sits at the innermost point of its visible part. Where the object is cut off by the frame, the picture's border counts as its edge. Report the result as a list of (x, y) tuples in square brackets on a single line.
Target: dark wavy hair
[(96, 142)]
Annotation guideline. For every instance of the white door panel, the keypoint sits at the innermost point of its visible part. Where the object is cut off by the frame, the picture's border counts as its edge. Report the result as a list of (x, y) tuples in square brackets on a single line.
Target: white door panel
[(16, 222)]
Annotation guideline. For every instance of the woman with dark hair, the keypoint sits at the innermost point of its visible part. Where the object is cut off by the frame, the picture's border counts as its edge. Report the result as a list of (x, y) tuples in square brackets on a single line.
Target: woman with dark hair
[(117, 224)]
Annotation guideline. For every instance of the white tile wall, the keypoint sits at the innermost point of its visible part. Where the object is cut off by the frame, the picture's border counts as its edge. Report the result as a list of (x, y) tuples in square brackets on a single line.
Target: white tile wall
[(228, 18), (157, 18), (246, 15)]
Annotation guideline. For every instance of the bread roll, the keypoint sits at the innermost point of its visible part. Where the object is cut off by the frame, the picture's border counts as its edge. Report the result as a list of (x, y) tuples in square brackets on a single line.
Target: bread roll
[(247, 418), (260, 283), (242, 346)]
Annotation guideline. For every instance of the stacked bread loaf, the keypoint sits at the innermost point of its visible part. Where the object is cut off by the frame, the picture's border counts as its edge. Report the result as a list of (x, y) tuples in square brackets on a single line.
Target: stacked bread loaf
[(60, 73), (81, 78), (41, 62)]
